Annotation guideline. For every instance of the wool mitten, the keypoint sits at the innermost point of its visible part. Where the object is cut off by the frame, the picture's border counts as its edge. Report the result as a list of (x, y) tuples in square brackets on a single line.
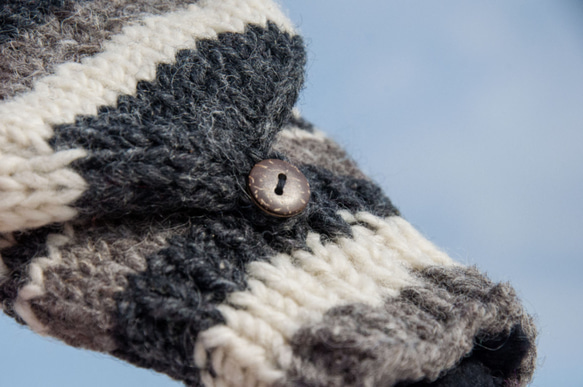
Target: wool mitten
[(163, 202)]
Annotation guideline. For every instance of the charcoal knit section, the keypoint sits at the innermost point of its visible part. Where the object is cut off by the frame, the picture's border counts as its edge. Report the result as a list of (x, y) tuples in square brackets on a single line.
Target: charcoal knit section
[(457, 314), (198, 128), (16, 16), (165, 307), (469, 373), (490, 363)]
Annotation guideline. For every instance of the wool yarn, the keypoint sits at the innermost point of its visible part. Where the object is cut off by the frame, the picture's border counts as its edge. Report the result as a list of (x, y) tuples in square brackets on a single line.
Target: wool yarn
[(127, 131)]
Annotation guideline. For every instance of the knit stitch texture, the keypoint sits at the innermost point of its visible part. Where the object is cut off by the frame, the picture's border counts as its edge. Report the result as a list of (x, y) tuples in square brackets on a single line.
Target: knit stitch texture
[(128, 129)]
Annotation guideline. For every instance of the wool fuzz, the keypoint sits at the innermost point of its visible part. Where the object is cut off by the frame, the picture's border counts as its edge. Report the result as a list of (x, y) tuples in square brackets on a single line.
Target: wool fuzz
[(128, 130)]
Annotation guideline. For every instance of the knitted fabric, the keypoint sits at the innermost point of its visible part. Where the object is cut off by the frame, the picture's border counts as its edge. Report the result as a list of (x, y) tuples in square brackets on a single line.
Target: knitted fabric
[(127, 132)]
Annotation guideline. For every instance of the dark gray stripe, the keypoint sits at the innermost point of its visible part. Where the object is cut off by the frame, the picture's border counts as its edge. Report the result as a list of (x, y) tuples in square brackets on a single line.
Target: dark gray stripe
[(18, 16), (66, 31), (164, 308)]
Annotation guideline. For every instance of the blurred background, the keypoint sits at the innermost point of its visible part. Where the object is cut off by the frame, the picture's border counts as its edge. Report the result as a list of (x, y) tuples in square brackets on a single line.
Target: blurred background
[(470, 116)]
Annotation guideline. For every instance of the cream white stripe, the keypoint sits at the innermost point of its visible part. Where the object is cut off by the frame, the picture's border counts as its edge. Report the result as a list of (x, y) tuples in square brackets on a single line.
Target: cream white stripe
[(294, 290), (36, 191), (24, 310), (300, 134), (80, 88), (35, 287)]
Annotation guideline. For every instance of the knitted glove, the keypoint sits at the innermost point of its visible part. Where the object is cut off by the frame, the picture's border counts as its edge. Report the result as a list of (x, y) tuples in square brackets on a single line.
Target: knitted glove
[(138, 216)]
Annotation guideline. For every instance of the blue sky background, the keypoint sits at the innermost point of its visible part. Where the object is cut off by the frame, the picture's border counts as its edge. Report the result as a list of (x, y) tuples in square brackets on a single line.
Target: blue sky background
[(470, 115)]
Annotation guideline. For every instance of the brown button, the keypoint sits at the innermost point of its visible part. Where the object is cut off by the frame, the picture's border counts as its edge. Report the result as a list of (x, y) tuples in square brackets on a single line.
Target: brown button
[(279, 188)]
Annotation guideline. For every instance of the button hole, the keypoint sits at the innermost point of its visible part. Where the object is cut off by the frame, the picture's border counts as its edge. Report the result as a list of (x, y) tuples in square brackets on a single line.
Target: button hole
[(280, 183)]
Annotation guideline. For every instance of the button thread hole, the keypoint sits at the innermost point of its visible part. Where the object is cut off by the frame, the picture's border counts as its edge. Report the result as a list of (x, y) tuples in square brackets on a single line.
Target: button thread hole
[(280, 184)]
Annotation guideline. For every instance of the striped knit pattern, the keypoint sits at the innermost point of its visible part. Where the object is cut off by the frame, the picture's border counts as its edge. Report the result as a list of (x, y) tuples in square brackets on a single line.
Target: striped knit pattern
[(78, 30), (36, 185), (127, 131), (296, 290)]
